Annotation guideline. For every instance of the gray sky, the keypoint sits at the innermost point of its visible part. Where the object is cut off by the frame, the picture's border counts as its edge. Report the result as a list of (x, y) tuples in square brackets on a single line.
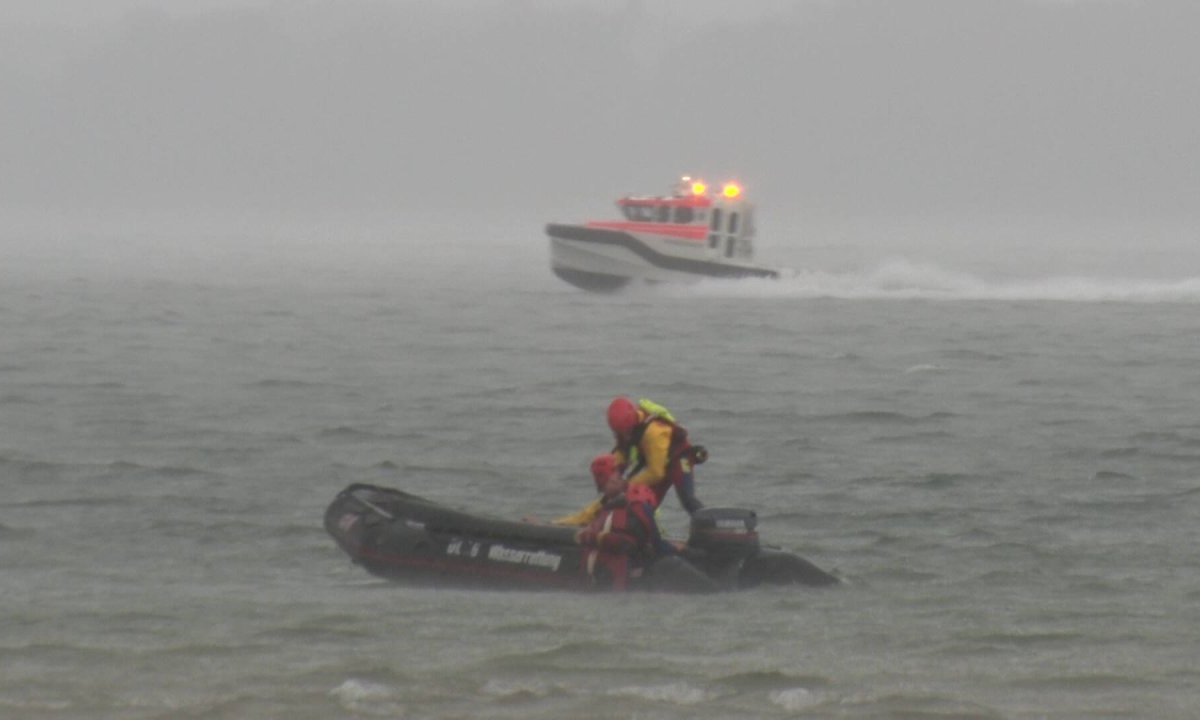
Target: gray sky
[(863, 107)]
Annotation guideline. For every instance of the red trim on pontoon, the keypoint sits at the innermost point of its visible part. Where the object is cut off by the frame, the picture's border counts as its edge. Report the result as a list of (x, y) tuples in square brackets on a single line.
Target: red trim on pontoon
[(475, 569)]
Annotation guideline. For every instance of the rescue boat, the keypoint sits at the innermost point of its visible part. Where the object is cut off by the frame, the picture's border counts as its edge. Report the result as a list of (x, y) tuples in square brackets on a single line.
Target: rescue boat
[(403, 537), (691, 234)]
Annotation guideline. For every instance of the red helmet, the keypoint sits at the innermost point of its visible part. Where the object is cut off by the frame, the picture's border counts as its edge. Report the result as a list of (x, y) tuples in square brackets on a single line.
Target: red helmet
[(622, 416), (603, 466)]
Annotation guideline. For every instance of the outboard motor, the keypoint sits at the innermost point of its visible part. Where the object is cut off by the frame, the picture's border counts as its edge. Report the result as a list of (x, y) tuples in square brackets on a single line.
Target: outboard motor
[(724, 534)]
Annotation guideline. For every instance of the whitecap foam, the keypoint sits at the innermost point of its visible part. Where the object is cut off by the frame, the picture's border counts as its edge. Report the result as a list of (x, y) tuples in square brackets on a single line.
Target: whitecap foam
[(366, 697), (508, 689), (675, 693), (793, 699), (907, 280), (35, 705), (923, 369)]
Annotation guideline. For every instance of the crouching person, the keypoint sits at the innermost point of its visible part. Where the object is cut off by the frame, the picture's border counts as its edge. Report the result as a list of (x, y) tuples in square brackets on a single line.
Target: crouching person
[(623, 538)]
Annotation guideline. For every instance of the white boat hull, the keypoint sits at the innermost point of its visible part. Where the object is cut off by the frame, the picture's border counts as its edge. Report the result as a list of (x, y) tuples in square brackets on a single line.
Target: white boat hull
[(606, 259)]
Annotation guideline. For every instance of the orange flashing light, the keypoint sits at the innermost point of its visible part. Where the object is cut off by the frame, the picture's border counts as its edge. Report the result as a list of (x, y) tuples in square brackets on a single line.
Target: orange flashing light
[(731, 190), (699, 188)]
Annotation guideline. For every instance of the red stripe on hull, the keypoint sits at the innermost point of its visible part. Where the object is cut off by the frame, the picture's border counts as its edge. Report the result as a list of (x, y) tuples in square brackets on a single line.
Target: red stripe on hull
[(683, 232)]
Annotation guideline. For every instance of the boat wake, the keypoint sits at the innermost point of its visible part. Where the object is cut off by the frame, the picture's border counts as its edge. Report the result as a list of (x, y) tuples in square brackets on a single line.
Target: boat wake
[(907, 280)]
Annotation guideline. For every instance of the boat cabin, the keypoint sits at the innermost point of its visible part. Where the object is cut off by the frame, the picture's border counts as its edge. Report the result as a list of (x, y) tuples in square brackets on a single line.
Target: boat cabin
[(726, 217)]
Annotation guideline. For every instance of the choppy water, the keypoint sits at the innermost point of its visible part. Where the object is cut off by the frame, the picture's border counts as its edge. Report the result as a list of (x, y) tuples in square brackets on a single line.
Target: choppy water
[(1006, 472)]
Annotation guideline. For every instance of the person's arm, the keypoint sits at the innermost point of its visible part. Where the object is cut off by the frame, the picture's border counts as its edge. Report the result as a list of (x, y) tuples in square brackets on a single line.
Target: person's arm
[(620, 455), (685, 488), (618, 542), (621, 542), (581, 518)]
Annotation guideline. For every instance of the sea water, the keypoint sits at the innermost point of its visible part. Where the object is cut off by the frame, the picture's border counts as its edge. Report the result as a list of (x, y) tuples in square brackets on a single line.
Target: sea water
[(1005, 470)]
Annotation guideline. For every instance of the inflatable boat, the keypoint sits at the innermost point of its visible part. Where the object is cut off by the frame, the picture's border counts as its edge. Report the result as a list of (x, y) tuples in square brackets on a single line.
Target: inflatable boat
[(403, 537)]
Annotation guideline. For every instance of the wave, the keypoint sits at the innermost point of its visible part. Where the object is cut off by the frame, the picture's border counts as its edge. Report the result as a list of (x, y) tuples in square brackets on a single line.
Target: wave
[(349, 434), (367, 697), (917, 704), (597, 655), (679, 693), (757, 680), (12, 533), (908, 280), (1024, 639), (1110, 682), (884, 417), (43, 472), (17, 399), (517, 690), (284, 383), (794, 700)]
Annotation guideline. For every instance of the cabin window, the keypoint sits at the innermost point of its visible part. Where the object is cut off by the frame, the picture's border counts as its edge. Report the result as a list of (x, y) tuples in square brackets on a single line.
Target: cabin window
[(683, 215), (733, 219), (714, 240), (639, 213), (664, 213), (716, 219), (627, 210), (729, 243)]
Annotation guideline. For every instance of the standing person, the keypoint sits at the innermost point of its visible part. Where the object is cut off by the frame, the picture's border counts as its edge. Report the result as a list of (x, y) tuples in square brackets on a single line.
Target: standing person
[(623, 538), (655, 449)]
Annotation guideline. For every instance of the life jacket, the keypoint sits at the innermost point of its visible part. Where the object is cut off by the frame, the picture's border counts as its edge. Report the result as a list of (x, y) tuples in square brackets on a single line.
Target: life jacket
[(651, 409), (680, 455), (620, 552)]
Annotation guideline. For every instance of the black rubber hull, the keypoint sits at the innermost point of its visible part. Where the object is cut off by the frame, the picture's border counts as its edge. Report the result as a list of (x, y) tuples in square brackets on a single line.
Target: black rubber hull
[(403, 537)]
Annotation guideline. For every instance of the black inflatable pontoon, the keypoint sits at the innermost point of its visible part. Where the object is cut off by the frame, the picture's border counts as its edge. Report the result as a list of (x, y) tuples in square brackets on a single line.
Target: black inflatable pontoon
[(401, 536)]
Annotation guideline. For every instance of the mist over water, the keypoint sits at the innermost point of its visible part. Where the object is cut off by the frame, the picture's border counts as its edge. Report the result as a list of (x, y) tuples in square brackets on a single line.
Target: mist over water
[(991, 261), (852, 109)]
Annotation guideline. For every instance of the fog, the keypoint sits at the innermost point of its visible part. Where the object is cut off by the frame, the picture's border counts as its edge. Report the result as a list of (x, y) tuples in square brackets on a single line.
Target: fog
[(833, 110)]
